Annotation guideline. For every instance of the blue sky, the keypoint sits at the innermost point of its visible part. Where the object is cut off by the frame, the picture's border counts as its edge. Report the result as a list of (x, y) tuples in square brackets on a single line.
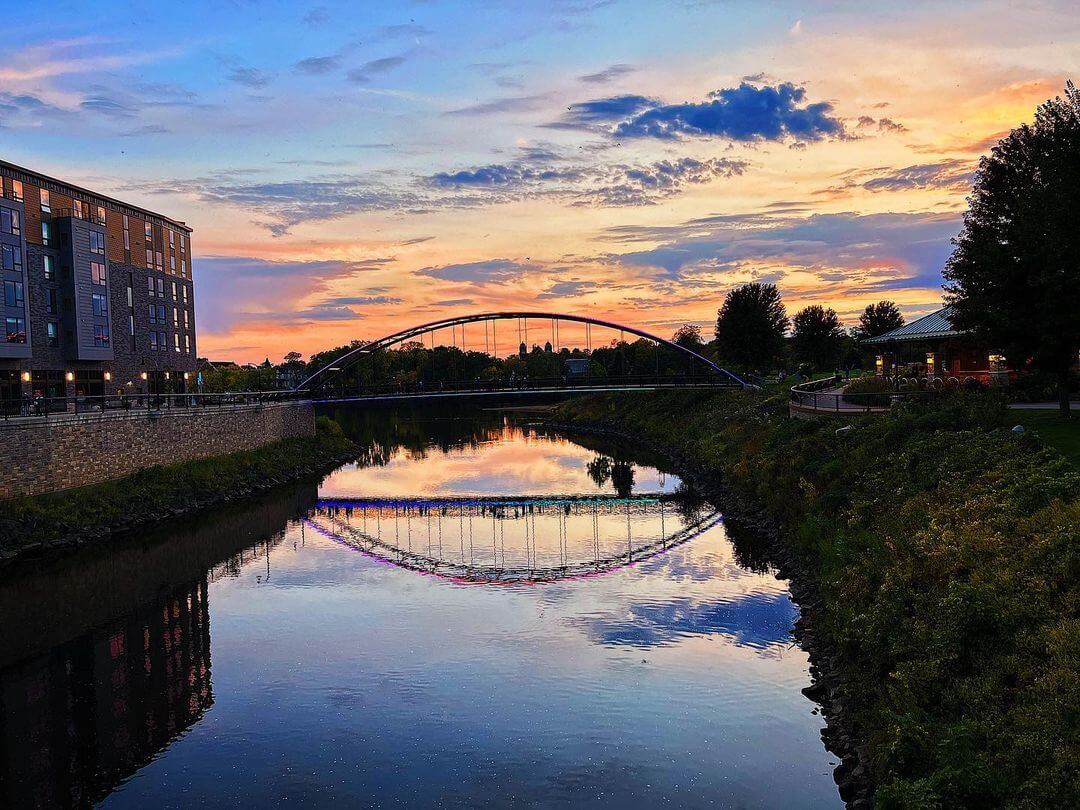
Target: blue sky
[(350, 166)]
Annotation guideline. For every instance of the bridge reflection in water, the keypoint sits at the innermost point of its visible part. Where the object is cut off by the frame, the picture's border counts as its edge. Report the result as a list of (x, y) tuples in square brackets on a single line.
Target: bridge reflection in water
[(498, 540)]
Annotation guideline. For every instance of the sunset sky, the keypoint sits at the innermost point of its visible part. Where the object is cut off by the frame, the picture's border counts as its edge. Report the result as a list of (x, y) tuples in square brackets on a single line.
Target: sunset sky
[(354, 168)]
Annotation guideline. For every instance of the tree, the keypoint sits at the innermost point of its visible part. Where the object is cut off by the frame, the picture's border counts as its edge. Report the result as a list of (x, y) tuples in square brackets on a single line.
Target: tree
[(879, 318), (750, 326), (293, 357), (816, 336), (689, 337), (1014, 277)]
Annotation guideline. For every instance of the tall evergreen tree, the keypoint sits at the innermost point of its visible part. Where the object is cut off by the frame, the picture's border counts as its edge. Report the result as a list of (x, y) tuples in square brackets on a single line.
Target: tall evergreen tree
[(1014, 278), (750, 326), (816, 336)]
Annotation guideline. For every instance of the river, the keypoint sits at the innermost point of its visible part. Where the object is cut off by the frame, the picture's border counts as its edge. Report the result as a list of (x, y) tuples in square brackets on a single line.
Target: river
[(477, 613)]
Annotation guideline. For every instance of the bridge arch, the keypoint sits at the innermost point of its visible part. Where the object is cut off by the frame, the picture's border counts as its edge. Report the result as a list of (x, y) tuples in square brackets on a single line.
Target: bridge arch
[(404, 335)]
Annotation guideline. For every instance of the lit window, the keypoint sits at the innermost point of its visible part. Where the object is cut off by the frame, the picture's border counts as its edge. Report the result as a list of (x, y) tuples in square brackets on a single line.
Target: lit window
[(97, 242), (101, 304), (101, 335), (187, 324), (46, 233), (187, 344), (176, 317), (148, 231), (97, 272), (52, 334), (50, 270), (159, 262), (46, 208), (15, 329), (176, 341), (17, 190), (101, 214), (185, 294), (172, 238), (131, 327), (13, 293), (79, 209)]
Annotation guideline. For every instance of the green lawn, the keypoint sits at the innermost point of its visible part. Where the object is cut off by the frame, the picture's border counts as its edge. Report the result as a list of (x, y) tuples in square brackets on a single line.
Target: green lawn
[(1062, 436)]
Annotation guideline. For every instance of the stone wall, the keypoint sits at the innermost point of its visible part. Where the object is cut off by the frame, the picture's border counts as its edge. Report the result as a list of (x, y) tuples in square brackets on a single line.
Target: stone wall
[(39, 456)]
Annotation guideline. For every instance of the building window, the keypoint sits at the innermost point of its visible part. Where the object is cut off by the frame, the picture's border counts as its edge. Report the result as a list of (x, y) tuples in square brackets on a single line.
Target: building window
[(101, 335), (187, 344), (9, 222), (161, 288), (162, 344), (159, 262), (176, 341), (131, 327), (50, 301), (101, 304), (148, 232), (153, 341), (172, 263), (46, 233), (17, 190), (15, 329), (176, 317), (185, 294), (183, 268), (172, 238), (153, 313), (129, 295), (52, 334), (187, 323), (97, 272), (13, 293), (174, 291), (97, 242), (183, 243), (150, 286), (46, 208), (11, 257), (50, 269), (101, 214), (149, 258), (161, 314), (78, 208)]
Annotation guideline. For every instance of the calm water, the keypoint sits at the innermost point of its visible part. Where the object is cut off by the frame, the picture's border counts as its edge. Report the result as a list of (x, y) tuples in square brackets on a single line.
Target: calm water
[(474, 615)]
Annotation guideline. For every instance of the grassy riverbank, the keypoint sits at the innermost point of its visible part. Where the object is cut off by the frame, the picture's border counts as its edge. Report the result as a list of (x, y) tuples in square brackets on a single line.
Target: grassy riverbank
[(38, 524), (946, 553)]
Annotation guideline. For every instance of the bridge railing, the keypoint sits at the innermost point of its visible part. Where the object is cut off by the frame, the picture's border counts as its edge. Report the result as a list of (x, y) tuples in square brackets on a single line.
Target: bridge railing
[(422, 388), (815, 396), (29, 408)]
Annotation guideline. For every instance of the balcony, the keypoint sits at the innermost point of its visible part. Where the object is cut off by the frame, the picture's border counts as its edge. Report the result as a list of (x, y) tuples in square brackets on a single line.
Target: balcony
[(86, 216)]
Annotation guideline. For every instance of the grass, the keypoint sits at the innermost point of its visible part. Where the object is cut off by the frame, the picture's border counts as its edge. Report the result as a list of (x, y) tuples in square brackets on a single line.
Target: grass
[(945, 552), (156, 492), (1063, 436)]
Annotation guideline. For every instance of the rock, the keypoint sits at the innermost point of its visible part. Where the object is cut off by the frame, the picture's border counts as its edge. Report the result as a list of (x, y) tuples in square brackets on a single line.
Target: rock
[(815, 691), (1018, 430), (845, 430)]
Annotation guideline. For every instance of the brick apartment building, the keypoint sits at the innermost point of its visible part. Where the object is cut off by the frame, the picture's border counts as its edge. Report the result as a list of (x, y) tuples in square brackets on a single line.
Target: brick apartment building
[(98, 296)]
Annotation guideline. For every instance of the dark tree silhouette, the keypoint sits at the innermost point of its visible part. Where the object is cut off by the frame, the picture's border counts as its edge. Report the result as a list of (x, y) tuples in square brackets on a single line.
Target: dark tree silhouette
[(750, 326), (689, 337), (816, 336), (879, 318), (1014, 278)]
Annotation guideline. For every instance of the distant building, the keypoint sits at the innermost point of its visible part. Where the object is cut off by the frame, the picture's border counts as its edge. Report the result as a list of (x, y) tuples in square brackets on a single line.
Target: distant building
[(98, 296), (931, 346)]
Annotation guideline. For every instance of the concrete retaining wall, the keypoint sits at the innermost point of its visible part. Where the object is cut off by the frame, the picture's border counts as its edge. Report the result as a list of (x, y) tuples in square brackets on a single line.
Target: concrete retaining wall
[(44, 456)]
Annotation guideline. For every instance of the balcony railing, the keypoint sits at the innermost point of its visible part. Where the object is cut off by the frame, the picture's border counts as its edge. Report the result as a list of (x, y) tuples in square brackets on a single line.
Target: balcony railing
[(87, 216)]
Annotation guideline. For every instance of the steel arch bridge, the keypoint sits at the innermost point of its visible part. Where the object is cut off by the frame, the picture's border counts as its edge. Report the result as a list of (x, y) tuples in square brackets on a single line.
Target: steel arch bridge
[(326, 373)]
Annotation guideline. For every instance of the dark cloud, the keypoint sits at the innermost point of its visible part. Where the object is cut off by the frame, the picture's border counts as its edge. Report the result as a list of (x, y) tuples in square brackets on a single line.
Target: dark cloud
[(569, 289), (881, 124), (248, 76), (744, 113), (876, 251), (368, 69), (484, 272), (318, 65), (589, 185), (235, 289), (956, 175), (607, 74)]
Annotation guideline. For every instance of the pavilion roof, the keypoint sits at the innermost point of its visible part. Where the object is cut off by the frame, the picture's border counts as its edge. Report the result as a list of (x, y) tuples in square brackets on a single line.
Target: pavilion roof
[(928, 327)]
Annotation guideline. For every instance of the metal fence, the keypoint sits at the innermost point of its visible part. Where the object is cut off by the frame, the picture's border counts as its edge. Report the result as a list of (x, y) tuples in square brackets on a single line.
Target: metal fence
[(29, 408), (815, 396)]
